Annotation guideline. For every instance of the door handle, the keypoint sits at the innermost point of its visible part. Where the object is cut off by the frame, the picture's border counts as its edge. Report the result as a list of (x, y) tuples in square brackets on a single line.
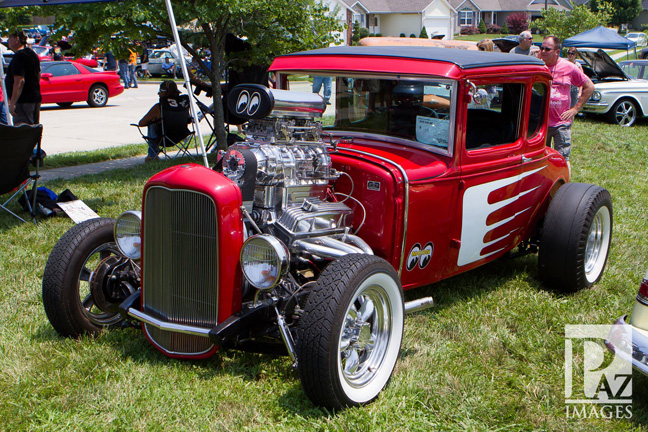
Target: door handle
[(526, 159)]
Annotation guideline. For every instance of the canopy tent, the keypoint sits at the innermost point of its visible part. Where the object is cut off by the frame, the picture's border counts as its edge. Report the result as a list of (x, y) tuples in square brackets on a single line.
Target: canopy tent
[(599, 37), (176, 36)]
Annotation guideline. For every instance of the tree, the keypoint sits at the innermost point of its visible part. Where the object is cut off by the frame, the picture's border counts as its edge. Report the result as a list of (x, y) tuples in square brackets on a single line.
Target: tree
[(624, 10), (13, 17), (517, 22), (358, 33), (423, 34), (505, 29), (482, 27), (271, 28), (559, 24)]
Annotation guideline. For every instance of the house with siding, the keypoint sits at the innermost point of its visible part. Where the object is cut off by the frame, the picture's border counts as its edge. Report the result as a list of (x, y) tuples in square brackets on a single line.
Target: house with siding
[(391, 18), (470, 12), (440, 17)]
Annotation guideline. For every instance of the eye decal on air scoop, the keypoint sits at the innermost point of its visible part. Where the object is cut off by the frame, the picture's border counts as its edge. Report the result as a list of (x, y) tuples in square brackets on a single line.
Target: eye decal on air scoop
[(242, 102), (255, 103)]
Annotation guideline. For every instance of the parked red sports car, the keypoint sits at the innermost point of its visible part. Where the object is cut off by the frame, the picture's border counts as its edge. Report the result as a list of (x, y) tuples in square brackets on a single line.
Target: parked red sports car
[(64, 82)]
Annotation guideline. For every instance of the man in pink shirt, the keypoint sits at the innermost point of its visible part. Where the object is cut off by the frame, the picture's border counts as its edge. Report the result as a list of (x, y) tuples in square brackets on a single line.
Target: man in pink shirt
[(564, 75)]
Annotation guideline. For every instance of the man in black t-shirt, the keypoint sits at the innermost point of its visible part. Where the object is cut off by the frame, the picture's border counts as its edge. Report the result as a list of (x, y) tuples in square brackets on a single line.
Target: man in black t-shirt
[(23, 81)]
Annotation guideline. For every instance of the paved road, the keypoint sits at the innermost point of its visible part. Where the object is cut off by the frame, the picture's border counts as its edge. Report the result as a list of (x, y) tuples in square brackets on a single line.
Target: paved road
[(81, 128)]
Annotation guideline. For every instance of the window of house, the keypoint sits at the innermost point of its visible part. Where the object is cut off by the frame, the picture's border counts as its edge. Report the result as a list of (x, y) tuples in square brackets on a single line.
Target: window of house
[(466, 17)]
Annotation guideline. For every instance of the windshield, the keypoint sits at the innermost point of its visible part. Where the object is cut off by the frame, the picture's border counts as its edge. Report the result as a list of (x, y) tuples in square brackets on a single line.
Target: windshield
[(158, 54), (415, 109), (40, 50)]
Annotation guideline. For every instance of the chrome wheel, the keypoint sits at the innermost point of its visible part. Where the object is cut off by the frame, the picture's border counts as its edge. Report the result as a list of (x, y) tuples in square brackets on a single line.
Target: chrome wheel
[(365, 334), (598, 241), (625, 113), (351, 331)]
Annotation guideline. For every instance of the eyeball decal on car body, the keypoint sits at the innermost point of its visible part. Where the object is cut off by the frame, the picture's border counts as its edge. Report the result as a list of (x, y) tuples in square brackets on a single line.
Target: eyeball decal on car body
[(419, 256)]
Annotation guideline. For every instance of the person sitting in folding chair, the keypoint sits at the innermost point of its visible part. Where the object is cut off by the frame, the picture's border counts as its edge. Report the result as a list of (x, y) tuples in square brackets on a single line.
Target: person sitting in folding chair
[(167, 123)]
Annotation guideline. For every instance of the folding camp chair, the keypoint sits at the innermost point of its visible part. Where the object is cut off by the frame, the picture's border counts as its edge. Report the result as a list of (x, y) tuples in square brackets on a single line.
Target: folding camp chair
[(16, 152), (174, 133)]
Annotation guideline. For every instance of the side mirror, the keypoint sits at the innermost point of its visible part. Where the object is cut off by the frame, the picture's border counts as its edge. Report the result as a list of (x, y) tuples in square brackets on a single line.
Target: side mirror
[(47, 76)]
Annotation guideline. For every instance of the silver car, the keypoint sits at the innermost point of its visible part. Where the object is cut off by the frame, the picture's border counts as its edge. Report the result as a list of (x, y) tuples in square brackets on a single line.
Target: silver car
[(632, 337), (156, 59), (617, 95)]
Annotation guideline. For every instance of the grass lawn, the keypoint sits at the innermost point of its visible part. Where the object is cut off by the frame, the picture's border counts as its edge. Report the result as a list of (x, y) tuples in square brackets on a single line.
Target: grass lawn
[(488, 356)]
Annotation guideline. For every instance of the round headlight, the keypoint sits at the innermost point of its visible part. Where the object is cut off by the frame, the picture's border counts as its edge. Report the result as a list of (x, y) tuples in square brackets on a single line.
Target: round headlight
[(264, 259), (128, 234), (596, 96)]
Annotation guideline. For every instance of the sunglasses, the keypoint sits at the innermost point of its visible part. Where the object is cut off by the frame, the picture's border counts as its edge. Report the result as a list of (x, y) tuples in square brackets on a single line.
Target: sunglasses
[(546, 49), (571, 53)]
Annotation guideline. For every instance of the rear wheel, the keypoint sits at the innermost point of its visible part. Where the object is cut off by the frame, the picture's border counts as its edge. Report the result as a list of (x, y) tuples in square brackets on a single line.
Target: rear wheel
[(624, 113), (351, 332), (575, 239), (97, 96)]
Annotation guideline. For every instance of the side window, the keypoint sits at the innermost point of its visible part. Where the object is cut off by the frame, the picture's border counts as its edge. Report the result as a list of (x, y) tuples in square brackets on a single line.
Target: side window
[(539, 96), (494, 114), (59, 70)]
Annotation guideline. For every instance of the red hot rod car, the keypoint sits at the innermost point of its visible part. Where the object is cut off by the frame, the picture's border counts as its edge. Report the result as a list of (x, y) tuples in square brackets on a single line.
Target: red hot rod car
[(428, 162)]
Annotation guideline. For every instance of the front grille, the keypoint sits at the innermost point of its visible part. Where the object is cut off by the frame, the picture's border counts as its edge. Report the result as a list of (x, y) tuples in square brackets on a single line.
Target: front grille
[(180, 275)]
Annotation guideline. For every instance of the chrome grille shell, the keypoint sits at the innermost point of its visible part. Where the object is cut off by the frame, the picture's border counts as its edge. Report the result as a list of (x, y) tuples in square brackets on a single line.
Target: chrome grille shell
[(180, 266)]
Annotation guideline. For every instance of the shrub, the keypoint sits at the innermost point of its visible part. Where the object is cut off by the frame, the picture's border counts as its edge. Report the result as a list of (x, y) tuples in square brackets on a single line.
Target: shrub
[(493, 29), (412, 35), (469, 30), (402, 35), (517, 22), (378, 34), (505, 29), (482, 26), (423, 34)]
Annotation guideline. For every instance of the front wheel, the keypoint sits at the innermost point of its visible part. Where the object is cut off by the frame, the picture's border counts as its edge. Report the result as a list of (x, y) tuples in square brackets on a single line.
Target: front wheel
[(97, 96), (623, 113), (351, 332), (81, 289), (576, 235)]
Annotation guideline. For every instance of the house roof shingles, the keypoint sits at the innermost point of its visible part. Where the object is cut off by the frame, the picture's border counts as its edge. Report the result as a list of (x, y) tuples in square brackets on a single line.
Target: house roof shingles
[(416, 6), (387, 6)]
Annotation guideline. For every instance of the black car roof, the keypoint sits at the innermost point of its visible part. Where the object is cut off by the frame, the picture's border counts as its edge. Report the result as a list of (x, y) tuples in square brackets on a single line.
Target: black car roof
[(465, 59)]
